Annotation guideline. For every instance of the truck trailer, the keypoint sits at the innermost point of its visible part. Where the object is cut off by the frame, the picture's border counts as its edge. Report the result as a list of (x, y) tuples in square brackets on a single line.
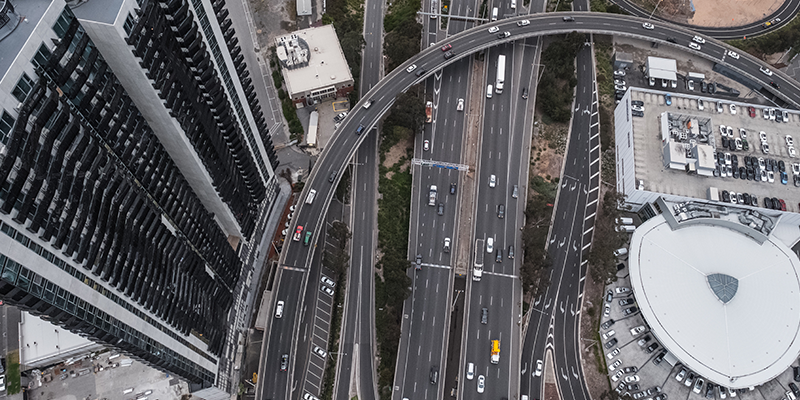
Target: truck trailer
[(501, 74)]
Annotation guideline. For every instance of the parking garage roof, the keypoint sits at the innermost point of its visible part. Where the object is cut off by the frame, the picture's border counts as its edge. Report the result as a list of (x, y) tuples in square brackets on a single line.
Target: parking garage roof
[(722, 302)]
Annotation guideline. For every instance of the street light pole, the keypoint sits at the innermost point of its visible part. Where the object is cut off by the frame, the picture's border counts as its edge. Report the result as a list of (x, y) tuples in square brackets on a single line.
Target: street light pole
[(654, 10)]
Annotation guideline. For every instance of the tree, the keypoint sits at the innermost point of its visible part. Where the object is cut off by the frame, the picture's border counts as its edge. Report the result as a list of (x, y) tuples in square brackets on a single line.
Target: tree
[(408, 111)]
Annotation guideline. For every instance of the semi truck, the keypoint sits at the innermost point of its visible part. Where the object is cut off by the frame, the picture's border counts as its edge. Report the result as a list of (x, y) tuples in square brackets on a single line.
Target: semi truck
[(501, 74), (477, 267), (432, 196), (495, 352), (429, 112)]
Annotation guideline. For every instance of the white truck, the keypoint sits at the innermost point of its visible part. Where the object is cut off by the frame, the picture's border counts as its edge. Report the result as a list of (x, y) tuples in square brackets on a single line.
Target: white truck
[(477, 266), (501, 74), (432, 196)]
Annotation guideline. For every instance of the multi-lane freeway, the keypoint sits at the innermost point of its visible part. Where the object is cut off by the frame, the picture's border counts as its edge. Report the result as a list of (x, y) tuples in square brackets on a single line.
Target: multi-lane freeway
[(296, 258)]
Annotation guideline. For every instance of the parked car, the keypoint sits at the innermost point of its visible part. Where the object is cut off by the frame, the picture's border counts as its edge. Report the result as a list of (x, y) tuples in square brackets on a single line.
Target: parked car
[(629, 311)]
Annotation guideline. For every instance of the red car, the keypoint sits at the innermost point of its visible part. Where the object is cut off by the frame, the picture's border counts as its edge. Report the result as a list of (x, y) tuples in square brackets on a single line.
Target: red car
[(752, 111), (447, 47), (298, 233), (783, 204)]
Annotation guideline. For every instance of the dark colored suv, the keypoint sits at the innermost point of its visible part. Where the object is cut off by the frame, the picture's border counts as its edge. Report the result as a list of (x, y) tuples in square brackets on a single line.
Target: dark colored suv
[(434, 375), (484, 315)]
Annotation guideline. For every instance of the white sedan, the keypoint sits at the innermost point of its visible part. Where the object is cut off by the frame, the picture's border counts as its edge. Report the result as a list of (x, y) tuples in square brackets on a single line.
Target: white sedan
[(733, 109), (460, 105), (639, 329), (632, 378), (648, 25), (698, 39), (789, 140), (733, 54), (539, 366), (481, 383), (616, 376)]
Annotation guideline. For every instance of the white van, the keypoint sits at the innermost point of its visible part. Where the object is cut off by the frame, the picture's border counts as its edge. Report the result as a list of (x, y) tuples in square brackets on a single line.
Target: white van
[(626, 228), (310, 197), (624, 221), (494, 14), (128, 390), (489, 92), (470, 371), (620, 252), (524, 397), (514, 4)]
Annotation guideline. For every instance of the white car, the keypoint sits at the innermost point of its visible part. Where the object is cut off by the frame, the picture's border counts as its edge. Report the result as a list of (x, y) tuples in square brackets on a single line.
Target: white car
[(615, 365), (698, 39), (770, 177), (796, 168), (327, 281), (470, 371), (539, 367), (733, 109), (637, 108), (489, 245), (723, 130), (481, 383), (738, 142), (733, 200), (616, 376), (639, 329), (608, 334), (727, 158), (494, 29), (679, 377), (742, 133), (492, 180), (792, 152), (524, 22), (694, 45), (690, 85), (632, 378), (648, 25), (411, 68), (279, 309), (460, 105), (607, 309), (733, 54), (622, 289), (765, 113), (327, 290), (766, 71), (619, 72), (765, 148), (762, 136), (320, 352), (700, 105), (613, 354), (789, 140), (426, 145)]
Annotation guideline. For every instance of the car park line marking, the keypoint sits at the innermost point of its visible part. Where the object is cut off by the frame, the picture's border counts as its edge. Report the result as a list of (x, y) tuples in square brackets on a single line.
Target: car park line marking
[(587, 231), (596, 173), (596, 160), (589, 217), (594, 148), (587, 246)]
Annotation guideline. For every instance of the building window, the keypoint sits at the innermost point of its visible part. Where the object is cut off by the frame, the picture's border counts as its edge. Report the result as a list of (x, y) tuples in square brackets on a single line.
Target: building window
[(62, 24), (129, 23), (23, 87), (6, 123), (41, 57)]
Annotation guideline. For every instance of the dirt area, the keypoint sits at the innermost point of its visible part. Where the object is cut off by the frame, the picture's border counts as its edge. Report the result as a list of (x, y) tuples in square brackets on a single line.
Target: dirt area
[(545, 160), (397, 152), (712, 13), (273, 18)]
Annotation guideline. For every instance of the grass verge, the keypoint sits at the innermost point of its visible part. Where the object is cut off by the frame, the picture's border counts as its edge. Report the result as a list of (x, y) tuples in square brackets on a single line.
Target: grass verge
[(12, 372)]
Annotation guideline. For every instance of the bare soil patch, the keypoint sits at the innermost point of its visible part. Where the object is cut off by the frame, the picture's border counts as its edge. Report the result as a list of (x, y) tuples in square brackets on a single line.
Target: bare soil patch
[(396, 153), (546, 161), (713, 13)]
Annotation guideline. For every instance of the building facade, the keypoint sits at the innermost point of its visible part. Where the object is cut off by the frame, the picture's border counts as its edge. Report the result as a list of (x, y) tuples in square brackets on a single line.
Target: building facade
[(134, 159)]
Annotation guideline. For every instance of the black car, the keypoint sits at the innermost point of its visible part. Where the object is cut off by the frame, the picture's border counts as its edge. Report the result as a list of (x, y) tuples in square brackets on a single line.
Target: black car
[(775, 85), (418, 262), (776, 204), (620, 266), (501, 211), (360, 129), (672, 40), (440, 209), (452, 188), (284, 362), (754, 200), (734, 158), (661, 396), (629, 311), (726, 197), (659, 357), (434, 375), (634, 386), (607, 324), (449, 54), (511, 252), (421, 72), (630, 370), (568, 19), (767, 202), (781, 166), (724, 142), (703, 87), (794, 389), (484, 315), (709, 390), (626, 302), (651, 348), (751, 174), (735, 173), (637, 102), (332, 177), (796, 373), (742, 173), (499, 257), (746, 198), (740, 198), (637, 113), (525, 93), (609, 296), (748, 161), (611, 343)]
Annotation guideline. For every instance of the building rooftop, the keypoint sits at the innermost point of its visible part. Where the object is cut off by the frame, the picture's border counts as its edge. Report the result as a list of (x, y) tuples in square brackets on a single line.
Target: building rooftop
[(105, 11), (15, 33), (317, 61), (662, 68), (719, 295), (659, 174)]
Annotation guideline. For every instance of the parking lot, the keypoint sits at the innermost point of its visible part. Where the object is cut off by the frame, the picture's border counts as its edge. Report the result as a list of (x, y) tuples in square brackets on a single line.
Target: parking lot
[(654, 375), (728, 178)]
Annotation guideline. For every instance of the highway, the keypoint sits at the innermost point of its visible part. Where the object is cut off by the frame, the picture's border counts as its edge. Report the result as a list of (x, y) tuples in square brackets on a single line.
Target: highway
[(785, 12), (342, 147), (357, 342)]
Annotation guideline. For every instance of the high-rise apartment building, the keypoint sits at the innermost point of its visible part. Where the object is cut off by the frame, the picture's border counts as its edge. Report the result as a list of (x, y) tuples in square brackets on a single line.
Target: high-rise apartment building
[(134, 160)]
